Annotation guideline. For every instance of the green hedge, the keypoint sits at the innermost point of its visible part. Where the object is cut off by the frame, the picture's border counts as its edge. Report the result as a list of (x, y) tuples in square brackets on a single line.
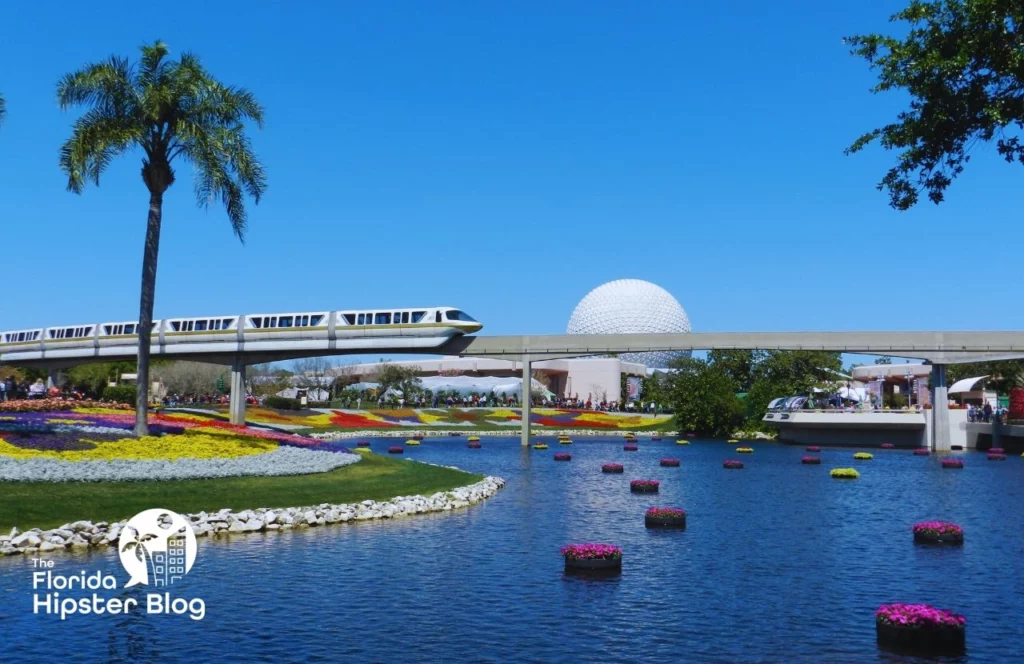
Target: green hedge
[(281, 403), (120, 394)]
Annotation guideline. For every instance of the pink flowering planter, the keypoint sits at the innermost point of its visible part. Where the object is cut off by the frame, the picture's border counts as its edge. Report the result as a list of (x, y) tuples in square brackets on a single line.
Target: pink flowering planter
[(813, 448), (887, 446), (938, 532), (611, 468), (630, 448), (644, 486), (920, 629), (810, 460), (665, 517), (921, 452), (670, 463), (995, 456), (952, 463), (395, 449), (562, 456), (592, 558), (417, 436), (363, 443), (474, 445), (732, 464), (655, 438), (996, 450)]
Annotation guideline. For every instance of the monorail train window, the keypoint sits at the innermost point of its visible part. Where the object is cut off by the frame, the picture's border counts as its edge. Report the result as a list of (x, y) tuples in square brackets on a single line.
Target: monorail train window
[(284, 321), (382, 319), (129, 328), (350, 319), (417, 316), (397, 317), (455, 314), (315, 320), (200, 326), (227, 324), (437, 317), (362, 319), (405, 317), (256, 322)]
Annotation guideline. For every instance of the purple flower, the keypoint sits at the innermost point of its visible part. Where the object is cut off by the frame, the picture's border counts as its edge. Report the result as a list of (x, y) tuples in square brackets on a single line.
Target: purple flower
[(666, 512), (938, 528), (644, 484), (918, 615), (591, 551)]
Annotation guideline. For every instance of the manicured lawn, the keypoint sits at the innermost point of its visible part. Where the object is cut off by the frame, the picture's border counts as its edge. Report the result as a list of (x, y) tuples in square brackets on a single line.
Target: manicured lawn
[(47, 505)]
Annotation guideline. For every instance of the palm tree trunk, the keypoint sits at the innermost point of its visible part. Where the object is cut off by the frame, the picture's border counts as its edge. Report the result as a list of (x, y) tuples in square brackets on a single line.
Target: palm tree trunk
[(149, 258)]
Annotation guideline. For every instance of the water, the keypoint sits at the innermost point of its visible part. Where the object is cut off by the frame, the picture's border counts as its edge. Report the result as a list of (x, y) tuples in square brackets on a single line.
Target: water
[(778, 563)]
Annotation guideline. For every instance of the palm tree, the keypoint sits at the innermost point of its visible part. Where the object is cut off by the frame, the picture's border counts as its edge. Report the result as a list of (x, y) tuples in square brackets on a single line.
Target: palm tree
[(170, 109), (141, 550)]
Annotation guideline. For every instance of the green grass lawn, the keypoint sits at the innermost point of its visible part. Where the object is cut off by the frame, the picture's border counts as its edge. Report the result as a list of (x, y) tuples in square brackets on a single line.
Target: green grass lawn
[(51, 504)]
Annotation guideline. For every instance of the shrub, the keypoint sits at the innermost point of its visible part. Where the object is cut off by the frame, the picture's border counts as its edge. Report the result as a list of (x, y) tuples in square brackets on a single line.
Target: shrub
[(863, 456), (281, 403), (119, 394), (844, 473)]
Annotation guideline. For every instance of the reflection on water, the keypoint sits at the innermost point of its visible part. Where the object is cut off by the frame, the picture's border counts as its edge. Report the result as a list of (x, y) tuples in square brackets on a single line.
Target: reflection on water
[(778, 563)]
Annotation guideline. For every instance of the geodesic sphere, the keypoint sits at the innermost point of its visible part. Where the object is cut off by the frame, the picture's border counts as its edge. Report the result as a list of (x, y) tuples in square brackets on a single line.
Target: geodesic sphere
[(626, 306)]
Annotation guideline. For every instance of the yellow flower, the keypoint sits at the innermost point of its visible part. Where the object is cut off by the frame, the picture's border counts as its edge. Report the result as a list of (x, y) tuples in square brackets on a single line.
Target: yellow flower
[(844, 473), (192, 444)]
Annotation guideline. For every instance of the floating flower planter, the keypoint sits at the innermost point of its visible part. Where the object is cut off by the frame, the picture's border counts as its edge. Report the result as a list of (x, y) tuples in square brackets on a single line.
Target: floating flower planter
[(732, 464), (691, 435), (670, 463), (863, 456), (630, 436), (810, 460), (655, 438), (473, 445), (887, 446), (920, 628), (644, 486), (396, 449), (563, 456), (611, 468), (996, 450), (921, 452), (844, 473), (813, 448), (995, 456), (952, 463), (473, 439), (363, 443), (540, 446), (732, 440), (744, 450), (592, 557), (938, 532), (455, 433), (413, 442), (564, 441), (419, 436), (682, 442), (665, 517), (630, 448)]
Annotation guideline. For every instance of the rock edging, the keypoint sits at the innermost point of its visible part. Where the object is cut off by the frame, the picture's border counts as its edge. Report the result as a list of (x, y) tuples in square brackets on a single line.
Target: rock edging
[(82, 535), (513, 433)]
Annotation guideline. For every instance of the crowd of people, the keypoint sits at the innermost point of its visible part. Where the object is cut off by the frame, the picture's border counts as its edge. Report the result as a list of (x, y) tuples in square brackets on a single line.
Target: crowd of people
[(986, 413), (12, 390)]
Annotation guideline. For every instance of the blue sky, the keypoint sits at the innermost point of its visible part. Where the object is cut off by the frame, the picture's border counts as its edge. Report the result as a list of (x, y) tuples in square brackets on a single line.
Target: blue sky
[(506, 158)]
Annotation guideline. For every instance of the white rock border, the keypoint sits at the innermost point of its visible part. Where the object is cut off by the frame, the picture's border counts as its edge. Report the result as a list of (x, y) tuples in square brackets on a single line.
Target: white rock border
[(82, 535)]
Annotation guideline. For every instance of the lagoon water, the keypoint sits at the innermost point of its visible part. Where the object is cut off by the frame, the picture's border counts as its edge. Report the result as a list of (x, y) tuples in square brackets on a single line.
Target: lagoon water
[(779, 563)]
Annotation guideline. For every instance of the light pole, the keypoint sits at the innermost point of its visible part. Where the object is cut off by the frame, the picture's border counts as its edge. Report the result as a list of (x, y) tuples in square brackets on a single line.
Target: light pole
[(910, 388), (881, 391)]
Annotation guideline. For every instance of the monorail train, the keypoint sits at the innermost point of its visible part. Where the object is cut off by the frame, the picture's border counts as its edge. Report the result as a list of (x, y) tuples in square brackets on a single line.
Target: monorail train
[(369, 329)]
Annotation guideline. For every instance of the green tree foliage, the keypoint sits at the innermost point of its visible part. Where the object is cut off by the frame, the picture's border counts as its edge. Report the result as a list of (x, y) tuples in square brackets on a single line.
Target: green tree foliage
[(92, 379), (402, 378), (703, 396), (170, 110), (1004, 375), (788, 373), (883, 360), (739, 364), (962, 64), (654, 388)]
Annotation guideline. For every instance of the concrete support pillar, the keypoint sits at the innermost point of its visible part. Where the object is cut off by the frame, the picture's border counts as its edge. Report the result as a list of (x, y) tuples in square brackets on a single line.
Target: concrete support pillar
[(940, 441), (238, 392), (525, 400), (51, 378)]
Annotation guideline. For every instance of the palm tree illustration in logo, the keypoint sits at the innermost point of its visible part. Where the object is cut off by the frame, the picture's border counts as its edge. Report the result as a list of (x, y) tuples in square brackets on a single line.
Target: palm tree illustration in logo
[(138, 543)]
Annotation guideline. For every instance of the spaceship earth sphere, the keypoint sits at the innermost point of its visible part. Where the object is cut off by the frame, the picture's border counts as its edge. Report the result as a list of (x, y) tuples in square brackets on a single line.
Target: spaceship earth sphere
[(627, 306)]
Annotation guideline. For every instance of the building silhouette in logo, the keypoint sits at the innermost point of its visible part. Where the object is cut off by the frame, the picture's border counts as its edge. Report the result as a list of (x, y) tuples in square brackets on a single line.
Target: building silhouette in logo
[(170, 566)]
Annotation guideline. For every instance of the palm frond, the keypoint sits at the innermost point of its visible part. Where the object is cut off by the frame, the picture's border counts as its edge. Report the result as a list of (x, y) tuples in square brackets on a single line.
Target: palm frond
[(105, 84), (3, 109), (151, 64), (96, 139)]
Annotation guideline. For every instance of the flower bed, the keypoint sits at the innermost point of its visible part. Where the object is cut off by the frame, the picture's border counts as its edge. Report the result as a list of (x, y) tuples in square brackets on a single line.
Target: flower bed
[(952, 463), (94, 444), (813, 448), (863, 456), (50, 405), (938, 532), (732, 464), (844, 474), (670, 463), (921, 452), (396, 449), (584, 557), (563, 456), (611, 468), (810, 460), (473, 445), (994, 456), (887, 446), (644, 486), (665, 517), (630, 448), (920, 628)]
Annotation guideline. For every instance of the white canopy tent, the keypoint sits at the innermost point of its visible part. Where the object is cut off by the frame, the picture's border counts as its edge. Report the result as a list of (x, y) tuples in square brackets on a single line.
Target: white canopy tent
[(966, 385)]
